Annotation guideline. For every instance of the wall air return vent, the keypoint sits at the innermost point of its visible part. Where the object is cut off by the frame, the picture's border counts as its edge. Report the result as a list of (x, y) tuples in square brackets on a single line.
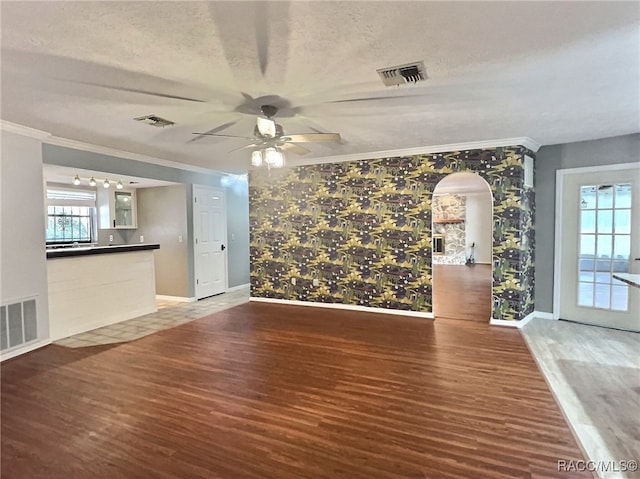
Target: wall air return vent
[(409, 73), (18, 323), (154, 120)]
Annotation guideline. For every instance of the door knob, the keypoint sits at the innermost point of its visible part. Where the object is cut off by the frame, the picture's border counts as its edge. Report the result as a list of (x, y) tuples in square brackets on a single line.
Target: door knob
[(223, 247)]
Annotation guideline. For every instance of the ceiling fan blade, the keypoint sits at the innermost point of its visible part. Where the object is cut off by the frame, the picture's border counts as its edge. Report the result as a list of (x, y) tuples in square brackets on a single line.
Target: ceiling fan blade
[(137, 90), (376, 98), (297, 149), (224, 126), (252, 145), (224, 136), (307, 137)]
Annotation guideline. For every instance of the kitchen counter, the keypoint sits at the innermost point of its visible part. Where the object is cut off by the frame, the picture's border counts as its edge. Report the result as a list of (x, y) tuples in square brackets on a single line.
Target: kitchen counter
[(88, 250), (90, 287), (630, 279)]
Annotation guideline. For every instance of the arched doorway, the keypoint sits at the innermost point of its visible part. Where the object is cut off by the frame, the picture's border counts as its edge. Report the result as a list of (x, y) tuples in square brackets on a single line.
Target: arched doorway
[(462, 239)]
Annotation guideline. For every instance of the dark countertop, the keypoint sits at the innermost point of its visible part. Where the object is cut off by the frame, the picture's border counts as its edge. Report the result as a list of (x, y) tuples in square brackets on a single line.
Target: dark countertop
[(87, 250)]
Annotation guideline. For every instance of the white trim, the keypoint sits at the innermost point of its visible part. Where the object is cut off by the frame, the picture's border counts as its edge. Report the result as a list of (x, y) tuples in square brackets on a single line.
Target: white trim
[(515, 324), (543, 315), (503, 322), (351, 307), (103, 150), (557, 249), (27, 348), (181, 299), (23, 130), (238, 288), (596, 169), (472, 145)]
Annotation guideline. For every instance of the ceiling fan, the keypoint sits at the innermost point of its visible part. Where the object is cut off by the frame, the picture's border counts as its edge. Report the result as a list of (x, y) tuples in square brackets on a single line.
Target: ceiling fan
[(269, 140)]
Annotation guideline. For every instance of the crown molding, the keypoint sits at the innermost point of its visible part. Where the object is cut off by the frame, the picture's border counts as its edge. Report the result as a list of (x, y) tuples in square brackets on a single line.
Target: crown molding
[(23, 130), (525, 141), (103, 150)]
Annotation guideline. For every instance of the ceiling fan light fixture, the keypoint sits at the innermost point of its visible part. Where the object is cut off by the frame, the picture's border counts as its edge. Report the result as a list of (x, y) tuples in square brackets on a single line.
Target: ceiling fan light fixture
[(256, 158), (273, 157)]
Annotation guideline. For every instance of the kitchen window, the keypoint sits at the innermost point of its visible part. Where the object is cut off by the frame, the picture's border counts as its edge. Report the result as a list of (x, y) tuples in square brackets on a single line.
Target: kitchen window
[(71, 216)]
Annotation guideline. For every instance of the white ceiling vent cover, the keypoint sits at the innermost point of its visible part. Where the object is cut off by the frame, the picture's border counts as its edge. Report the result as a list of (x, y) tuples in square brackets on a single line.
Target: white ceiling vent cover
[(401, 74), (154, 120)]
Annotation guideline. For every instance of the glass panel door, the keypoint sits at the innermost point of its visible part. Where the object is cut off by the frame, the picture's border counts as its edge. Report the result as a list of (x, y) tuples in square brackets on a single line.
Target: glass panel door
[(123, 208), (605, 245), (599, 237)]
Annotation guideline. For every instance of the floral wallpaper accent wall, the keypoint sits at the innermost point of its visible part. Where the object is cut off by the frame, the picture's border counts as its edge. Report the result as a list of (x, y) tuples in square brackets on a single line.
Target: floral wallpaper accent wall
[(361, 230)]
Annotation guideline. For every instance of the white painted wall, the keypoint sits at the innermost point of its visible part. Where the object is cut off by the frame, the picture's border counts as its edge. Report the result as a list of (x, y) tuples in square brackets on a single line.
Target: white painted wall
[(479, 225), (23, 262)]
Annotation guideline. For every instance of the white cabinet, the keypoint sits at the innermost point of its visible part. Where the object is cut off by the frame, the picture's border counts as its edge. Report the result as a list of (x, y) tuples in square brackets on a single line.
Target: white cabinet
[(117, 209)]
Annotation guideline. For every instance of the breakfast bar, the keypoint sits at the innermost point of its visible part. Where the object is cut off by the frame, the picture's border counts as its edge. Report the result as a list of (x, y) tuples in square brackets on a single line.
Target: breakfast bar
[(95, 286)]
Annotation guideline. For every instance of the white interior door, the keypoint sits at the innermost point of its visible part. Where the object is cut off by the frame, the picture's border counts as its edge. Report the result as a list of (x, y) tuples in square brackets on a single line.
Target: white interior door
[(210, 236), (600, 236)]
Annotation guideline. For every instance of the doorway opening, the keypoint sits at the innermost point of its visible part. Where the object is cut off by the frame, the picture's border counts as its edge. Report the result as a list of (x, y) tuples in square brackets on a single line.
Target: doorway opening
[(462, 236)]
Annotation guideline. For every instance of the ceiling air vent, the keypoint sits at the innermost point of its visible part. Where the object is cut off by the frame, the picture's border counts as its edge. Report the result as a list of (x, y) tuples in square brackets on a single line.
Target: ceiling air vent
[(154, 120), (409, 73)]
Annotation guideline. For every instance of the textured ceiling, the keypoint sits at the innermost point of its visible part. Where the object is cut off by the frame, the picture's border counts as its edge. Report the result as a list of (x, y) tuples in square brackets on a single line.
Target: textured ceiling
[(553, 71)]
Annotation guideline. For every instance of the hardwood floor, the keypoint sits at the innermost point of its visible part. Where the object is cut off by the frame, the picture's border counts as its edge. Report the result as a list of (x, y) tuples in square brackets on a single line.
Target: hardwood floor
[(274, 391), (462, 292)]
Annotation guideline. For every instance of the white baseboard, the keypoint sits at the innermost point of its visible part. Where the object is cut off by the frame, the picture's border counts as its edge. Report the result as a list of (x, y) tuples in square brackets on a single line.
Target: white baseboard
[(504, 322), (351, 307), (181, 299), (27, 348), (523, 322), (238, 288)]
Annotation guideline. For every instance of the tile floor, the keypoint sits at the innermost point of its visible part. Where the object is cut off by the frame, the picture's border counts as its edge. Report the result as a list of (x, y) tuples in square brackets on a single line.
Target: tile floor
[(594, 374), (169, 314)]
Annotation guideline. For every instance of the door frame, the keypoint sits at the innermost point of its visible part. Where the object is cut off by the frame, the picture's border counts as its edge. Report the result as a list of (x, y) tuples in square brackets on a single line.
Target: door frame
[(223, 194), (557, 249)]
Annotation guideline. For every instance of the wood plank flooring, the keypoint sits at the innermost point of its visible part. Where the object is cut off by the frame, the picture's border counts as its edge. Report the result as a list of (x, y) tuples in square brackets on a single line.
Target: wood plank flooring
[(274, 391), (462, 292)]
